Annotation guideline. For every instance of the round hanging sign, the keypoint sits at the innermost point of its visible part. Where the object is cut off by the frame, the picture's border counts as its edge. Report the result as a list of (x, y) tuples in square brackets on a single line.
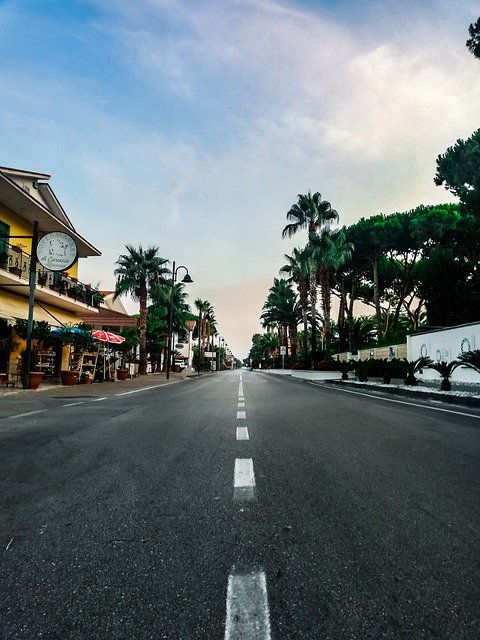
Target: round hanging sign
[(57, 251)]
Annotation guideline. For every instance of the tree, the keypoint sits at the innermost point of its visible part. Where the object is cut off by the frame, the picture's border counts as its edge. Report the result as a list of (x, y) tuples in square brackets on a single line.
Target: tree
[(459, 170), (314, 215), (298, 268), (205, 312), (137, 272), (473, 43), (330, 251), (281, 310)]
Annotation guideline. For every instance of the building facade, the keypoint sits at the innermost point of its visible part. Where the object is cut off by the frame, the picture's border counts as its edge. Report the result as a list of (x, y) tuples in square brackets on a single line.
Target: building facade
[(60, 298)]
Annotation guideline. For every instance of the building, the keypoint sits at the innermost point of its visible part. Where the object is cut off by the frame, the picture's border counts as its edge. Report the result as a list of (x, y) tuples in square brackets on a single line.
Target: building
[(60, 298)]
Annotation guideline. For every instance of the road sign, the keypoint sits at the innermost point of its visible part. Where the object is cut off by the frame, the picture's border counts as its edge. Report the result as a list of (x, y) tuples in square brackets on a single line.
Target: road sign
[(283, 351)]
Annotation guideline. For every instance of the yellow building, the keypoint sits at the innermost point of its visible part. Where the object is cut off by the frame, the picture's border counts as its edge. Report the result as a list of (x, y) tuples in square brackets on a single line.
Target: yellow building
[(60, 299)]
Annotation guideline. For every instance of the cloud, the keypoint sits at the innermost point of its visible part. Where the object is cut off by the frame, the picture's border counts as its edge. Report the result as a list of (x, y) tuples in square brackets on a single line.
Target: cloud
[(206, 119)]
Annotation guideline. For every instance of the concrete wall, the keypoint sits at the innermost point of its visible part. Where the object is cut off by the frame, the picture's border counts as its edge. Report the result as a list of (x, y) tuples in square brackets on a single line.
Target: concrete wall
[(394, 351), (446, 344)]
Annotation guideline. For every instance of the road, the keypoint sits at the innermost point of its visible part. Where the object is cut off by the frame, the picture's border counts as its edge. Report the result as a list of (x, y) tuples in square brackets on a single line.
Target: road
[(237, 505)]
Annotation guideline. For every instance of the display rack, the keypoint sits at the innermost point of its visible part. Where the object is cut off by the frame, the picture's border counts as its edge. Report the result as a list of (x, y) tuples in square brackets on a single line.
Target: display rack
[(46, 363), (87, 364)]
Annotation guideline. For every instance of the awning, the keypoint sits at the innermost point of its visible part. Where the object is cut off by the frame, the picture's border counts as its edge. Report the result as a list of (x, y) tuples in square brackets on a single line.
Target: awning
[(13, 306)]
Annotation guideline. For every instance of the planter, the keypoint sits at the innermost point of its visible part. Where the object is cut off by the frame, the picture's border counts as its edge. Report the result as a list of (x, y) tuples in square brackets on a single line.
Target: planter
[(176, 368), (122, 374), (69, 378), (34, 379)]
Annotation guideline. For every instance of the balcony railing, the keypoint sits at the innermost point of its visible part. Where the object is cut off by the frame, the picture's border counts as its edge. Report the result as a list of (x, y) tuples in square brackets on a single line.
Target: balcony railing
[(17, 261)]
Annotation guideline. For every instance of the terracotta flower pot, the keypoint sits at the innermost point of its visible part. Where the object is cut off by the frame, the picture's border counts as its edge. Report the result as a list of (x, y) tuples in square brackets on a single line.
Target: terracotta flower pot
[(122, 374), (34, 379), (69, 378)]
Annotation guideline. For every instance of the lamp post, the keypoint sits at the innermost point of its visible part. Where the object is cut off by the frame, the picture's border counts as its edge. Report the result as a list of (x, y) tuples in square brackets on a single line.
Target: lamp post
[(186, 279)]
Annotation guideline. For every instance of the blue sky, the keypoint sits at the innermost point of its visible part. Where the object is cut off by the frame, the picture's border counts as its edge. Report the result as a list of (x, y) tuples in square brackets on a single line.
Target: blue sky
[(193, 125)]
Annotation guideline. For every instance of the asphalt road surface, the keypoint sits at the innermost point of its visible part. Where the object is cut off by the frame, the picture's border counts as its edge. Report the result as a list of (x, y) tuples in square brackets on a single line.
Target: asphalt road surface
[(237, 506)]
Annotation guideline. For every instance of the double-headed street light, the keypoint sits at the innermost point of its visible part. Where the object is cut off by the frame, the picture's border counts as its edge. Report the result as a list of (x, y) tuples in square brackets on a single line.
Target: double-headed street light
[(186, 279)]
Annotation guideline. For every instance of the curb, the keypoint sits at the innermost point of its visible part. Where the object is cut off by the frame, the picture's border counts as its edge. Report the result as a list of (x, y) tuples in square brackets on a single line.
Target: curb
[(466, 401)]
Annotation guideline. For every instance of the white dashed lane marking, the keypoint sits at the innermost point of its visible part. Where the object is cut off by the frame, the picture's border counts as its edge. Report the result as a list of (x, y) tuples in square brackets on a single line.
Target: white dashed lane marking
[(242, 433), (30, 413), (241, 415), (248, 616), (244, 479)]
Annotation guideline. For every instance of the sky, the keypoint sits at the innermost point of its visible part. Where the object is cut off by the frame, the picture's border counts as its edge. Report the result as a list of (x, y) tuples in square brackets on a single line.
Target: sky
[(193, 125)]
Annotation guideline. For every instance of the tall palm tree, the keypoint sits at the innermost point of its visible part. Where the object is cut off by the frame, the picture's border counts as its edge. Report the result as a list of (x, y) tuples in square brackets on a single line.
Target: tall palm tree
[(298, 268), (137, 271), (281, 310), (330, 251), (315, 215), (161, 296), (204, 309)]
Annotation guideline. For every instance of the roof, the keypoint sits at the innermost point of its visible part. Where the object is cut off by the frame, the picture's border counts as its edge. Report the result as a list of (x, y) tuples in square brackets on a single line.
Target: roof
[(109, 317), (44, 206)]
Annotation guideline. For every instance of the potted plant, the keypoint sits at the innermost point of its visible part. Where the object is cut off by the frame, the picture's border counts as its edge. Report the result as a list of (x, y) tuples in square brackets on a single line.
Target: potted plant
[(78, 338), (127, 350), (40, 339)]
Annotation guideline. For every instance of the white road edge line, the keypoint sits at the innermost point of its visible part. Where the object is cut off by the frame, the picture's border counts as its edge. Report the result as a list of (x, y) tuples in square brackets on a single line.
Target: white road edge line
[(74, 404), (248, 616), (99, 399), (410, 404), (30, 413)]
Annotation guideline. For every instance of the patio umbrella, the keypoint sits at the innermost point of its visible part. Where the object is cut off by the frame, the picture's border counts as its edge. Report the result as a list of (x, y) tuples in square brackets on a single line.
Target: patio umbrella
[(107, 336)]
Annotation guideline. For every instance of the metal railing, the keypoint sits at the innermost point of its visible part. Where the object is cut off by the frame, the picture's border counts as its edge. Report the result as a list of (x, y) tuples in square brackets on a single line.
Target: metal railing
[(15, 260)]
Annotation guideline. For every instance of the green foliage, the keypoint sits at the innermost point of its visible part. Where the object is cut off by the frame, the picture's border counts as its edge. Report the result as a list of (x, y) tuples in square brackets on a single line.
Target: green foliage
[(459, 170), (413, 367), (138, 272), (471, 359), (8, 345), (473, 43), (361, 368), (445, 369)]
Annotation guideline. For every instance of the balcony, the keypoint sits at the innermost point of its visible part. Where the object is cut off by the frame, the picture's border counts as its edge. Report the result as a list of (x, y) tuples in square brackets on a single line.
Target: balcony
[(58, 289)]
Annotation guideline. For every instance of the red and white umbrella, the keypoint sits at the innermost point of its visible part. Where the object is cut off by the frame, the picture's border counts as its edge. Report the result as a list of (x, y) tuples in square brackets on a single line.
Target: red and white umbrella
[(107, 336)]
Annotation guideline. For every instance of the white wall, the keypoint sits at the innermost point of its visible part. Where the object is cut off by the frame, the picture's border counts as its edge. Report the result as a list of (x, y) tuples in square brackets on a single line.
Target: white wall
[(446, 344)]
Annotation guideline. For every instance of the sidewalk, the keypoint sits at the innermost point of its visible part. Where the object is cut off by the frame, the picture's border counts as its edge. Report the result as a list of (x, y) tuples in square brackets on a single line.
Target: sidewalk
[(94, 388), (461, 393)]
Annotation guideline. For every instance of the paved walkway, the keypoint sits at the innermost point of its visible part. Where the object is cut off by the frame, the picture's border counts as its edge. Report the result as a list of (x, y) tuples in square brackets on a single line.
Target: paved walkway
[(151, 379)]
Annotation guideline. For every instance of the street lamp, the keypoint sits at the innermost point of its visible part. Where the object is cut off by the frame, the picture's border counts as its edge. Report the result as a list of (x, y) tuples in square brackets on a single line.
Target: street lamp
[(186, 279)]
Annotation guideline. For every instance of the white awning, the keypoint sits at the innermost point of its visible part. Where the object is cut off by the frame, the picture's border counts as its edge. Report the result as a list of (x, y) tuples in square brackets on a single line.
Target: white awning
[(13, 306)]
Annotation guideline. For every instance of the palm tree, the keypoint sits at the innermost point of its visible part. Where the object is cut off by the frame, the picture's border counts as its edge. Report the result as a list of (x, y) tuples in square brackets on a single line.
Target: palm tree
[(413, 366), (445, 369), (471, 359), (281, 310), (137, 272), (330, 251), (204, 309), (315, 215), (161, 296), (298, 268)]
